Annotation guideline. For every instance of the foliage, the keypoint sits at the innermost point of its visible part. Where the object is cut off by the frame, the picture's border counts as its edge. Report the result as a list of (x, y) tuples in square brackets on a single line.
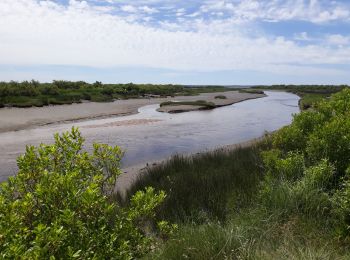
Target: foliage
[(310, 94), (298, 200), (59, 205), (34, 93), (321, 138)]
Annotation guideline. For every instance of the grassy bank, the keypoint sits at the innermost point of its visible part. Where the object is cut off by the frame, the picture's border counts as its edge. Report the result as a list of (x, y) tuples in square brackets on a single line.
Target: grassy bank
[(286, 197), (214, 198), (199, 187), (33, 93), (309, 94)]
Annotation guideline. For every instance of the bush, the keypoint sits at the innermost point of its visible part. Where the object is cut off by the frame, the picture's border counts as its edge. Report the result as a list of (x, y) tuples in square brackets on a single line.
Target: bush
[(291, 188), (59, 205)]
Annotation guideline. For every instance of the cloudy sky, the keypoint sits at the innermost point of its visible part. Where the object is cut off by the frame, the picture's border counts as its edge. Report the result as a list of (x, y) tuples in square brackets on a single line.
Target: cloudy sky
[(170, 41)]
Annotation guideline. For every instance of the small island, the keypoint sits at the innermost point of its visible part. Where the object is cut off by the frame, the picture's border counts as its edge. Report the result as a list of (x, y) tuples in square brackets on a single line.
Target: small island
[(209, 101)]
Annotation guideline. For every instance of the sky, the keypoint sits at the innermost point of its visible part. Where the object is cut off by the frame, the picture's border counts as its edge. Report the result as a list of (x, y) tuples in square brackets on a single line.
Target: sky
[(226, 42)]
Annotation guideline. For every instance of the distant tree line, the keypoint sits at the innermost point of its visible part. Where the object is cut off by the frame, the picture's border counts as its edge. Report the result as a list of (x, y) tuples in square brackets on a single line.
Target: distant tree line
[(34, 93)]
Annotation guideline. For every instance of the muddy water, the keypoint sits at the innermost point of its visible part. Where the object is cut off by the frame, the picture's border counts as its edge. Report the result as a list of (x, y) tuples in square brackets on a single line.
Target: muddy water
[(151, 135)]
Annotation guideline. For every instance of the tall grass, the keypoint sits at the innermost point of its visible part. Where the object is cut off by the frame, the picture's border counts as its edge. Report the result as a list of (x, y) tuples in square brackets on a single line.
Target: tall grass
[(216, 199), (205, 186), (254, 234)]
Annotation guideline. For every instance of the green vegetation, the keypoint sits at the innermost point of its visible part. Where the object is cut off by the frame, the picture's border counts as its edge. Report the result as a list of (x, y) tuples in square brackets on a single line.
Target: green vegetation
[(60, 205), (251, 91), (287, 197), (200, 187), (309, 94), (220, 97), (33, 93), (201, 103)]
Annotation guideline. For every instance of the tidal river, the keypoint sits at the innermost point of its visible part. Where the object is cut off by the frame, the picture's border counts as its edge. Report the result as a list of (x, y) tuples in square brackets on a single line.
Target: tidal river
[(151, 135)]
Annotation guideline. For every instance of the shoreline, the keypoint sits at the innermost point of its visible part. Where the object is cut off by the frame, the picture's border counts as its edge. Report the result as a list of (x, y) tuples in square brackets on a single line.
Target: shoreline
[(16, 119), (131, 173)]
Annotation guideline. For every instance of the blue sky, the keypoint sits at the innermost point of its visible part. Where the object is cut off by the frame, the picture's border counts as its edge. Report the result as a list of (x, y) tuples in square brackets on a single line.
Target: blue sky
[(166, 41)]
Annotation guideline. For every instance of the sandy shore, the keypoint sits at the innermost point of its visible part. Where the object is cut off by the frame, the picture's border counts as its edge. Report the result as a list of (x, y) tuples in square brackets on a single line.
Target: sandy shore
[(12, 119), (131, 174)]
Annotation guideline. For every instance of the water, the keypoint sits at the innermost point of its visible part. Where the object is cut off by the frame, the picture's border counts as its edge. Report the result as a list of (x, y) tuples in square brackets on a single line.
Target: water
[(151, 135)]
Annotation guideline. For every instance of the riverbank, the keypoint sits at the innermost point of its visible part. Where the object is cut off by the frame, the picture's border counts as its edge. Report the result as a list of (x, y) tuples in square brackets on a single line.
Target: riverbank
[(278, 199), (131, 174), (14, 119)]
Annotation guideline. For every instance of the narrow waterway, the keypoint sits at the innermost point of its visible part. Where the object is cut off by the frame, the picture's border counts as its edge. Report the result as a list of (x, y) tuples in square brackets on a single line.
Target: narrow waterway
[(151, 135)]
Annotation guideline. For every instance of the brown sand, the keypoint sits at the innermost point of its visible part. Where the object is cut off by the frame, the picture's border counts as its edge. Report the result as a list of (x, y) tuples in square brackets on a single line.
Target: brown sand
[(125, 123), (12, 119)]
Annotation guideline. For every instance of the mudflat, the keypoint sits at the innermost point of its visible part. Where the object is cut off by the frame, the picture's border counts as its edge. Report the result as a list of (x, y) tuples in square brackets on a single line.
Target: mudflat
[(12, 119)]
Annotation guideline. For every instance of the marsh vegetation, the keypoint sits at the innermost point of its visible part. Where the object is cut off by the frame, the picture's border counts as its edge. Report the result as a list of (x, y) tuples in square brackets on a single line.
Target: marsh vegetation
[(287, 196)]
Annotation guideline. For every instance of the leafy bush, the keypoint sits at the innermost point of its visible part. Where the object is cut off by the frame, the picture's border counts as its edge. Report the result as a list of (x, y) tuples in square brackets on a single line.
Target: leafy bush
[(59, 205), (321, 138)]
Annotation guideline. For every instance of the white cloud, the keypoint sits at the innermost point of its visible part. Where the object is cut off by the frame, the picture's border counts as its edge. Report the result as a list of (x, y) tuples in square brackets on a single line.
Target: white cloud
[(315, 11), (337, 39), (34, 33), (148, 10), (128, 8), (303, 36)]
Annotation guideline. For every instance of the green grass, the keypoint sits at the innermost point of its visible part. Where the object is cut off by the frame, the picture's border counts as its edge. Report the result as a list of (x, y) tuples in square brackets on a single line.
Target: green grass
[(309, 100), (206, 186), (215, 198), (254, 234)]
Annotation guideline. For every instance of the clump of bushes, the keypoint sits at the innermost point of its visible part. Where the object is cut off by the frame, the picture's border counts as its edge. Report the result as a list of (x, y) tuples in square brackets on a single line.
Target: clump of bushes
[(308, 169), (60, 205)]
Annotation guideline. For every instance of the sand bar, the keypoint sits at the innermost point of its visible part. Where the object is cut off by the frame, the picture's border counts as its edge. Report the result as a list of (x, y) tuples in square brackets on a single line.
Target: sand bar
[(13, 119)]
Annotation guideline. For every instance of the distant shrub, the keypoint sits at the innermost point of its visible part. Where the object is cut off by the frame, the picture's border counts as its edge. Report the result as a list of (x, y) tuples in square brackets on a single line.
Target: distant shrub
[(319, 139), (220, 97), (251, 91)]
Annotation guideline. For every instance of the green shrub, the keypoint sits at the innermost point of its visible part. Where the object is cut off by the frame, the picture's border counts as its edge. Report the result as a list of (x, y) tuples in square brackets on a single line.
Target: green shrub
[(341, 209), (293, 189), (332, 141), (59, 205)]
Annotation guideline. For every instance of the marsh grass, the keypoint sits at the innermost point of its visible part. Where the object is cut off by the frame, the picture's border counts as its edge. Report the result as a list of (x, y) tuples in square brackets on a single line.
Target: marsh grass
[(205, 186), (254, 234), (216, 200)]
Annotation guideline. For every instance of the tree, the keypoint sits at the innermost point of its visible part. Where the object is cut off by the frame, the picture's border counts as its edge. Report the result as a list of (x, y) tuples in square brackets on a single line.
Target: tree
[(59, 205)]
